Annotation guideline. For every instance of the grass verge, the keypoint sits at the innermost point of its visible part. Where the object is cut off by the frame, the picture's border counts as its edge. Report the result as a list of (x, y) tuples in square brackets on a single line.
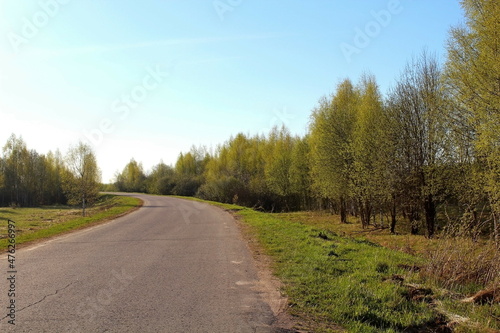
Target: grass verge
[(332, 280), (33, 224), (452, 270), (334, 274)]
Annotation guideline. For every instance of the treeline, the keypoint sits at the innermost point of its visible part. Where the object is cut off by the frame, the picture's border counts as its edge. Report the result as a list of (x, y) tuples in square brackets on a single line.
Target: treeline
[(428, 152), (269, 173), (29, 179)]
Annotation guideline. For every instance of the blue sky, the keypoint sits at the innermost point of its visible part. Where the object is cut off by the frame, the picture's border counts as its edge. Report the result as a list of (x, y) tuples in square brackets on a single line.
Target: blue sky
[(149, 79)]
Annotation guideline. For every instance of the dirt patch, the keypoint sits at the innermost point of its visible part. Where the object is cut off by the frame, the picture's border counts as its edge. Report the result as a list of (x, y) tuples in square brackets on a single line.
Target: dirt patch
[(418, 293), (396, 278), (409, 268), (437, 325)]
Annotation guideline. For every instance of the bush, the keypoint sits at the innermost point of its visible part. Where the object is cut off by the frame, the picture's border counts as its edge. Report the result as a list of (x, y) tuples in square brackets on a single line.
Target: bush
[(222, 190), (186, 186)]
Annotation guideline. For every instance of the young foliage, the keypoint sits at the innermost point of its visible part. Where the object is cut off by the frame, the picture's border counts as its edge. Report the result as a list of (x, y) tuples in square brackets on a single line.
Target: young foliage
[(132, 178), (473, 76), (82, 177), (331, 137), (369, 150), (417, 104)]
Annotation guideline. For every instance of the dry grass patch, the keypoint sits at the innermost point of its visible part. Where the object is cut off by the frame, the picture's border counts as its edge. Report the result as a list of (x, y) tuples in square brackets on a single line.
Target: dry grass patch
[(37, 223)]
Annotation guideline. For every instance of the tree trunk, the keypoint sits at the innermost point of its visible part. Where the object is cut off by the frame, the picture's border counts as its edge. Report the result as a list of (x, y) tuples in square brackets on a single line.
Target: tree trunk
[(83, 206), (343, 210), (365, 211), (353, 211), (361, 213), (368, 213), (393, 215), (393, 221), (430, 215), (414, 217)]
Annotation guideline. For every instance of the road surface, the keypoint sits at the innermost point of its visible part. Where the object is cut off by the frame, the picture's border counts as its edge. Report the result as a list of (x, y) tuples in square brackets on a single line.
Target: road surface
[(172, 266)]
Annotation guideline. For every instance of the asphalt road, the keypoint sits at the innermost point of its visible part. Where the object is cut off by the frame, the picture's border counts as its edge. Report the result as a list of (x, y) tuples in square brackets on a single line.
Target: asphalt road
[(172, 266)]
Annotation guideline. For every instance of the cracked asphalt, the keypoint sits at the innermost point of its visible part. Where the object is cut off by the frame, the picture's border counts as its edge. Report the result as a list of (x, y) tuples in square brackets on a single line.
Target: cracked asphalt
[(172, 266)]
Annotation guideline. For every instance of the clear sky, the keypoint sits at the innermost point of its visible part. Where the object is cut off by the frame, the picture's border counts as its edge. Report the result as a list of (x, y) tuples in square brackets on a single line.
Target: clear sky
[(148, 79)]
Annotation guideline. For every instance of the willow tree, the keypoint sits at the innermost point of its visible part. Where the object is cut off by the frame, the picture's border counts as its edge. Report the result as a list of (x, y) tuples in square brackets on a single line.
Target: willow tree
[(331, 136), (473, 74)]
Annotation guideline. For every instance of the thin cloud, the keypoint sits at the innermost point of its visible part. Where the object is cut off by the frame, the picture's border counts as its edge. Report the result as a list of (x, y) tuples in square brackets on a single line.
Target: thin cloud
[(149, 44)]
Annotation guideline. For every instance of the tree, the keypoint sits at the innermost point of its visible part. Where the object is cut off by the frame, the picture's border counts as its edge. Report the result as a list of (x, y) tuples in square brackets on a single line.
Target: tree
[(277, 165), (55, 167), (300, 172), (3, 189), (28, 178), (189, 170), (473, 77), (331, 136), (15, 158), (417, 104), (235, 173), (82, 177), (161, 179), (132, 178), (369, 150)]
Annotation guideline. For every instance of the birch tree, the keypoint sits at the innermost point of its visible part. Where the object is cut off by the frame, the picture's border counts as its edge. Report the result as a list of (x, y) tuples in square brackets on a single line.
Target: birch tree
[(82, 177)]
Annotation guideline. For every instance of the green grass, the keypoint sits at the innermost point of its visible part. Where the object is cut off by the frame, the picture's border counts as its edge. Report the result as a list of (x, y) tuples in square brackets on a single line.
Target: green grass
[(333, 274), (336, 274), (37, 223), (338, 280)]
